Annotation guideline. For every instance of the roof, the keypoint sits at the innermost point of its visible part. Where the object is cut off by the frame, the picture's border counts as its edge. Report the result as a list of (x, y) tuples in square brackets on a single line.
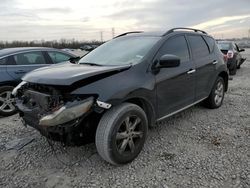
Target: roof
[(164, 33), (9, 51)]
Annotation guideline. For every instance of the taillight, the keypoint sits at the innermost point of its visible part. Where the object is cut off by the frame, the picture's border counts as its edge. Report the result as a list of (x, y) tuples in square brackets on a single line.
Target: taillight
[(230, 54), (225, 58)]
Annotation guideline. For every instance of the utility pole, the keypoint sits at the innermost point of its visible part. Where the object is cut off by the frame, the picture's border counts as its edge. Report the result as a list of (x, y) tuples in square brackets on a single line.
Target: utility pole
[(113, 32), (101, 35)]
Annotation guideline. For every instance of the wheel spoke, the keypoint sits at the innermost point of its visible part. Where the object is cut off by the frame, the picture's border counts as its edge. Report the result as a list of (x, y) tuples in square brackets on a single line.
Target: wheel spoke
[(127, 123), (137, 134), (11, 106), (137, 121), (3, 106), (121, 135), (8, 95), (124, 145), (131, 145), (216, 92), (2, 99), (220, 94)]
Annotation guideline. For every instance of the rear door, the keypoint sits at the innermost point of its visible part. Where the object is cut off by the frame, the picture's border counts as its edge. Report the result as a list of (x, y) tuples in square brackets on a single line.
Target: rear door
[(205, 62), (4, 76), (23, 63), (175, 86)]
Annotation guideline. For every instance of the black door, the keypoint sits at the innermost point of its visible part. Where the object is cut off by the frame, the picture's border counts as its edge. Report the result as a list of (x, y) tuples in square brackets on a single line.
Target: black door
[(205, 62), (175, 86)]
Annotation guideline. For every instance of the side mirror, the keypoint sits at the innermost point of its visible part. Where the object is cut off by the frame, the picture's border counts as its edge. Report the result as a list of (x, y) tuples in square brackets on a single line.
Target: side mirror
[(242, 50), (74, 59), (168, 61)]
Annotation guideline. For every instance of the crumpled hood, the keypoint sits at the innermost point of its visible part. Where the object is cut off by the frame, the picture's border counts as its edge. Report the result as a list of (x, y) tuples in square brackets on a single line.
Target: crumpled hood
[(67, 73)]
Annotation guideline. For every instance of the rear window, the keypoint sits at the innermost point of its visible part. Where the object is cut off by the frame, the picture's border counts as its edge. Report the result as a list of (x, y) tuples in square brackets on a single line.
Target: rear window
[(224, 46), (3, 61), (58, 57), (210, 42), (198, 46)]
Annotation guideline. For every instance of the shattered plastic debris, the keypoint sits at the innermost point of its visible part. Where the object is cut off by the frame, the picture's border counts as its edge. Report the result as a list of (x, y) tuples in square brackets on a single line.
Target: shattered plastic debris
[(18, 144)]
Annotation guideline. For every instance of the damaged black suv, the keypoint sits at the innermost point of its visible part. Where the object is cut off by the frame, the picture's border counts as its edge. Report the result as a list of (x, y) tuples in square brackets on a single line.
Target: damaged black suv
[(114, 93)]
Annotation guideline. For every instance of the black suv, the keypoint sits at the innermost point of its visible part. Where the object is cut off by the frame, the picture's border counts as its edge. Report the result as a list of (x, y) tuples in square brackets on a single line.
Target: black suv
[(121, 88)]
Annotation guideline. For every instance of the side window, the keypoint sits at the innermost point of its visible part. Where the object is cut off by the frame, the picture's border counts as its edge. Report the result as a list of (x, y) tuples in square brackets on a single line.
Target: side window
[(176, 46), (29, 58), (3, 61), (210, 42), (58, 57), (198, 46)]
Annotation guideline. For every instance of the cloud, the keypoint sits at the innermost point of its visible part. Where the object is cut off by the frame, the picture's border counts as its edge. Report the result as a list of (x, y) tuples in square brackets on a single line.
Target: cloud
[(220, 21), (86, 19)]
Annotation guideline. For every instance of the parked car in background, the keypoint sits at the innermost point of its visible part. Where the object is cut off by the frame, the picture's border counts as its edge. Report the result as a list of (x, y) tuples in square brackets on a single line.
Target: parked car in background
[(16, 62), (89, 47), (118, 90), (234, 57)]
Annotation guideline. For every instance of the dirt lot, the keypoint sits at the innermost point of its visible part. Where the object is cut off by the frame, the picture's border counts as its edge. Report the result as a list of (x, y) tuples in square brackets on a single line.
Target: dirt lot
[(196, 148)]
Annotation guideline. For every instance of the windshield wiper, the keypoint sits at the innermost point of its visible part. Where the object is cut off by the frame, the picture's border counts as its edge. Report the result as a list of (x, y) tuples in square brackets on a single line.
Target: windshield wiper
[(91, 64)]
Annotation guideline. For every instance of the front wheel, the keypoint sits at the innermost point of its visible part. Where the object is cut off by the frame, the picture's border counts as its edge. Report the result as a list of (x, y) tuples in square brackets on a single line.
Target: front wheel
[(121, 133), (216, 96), (7, 102)]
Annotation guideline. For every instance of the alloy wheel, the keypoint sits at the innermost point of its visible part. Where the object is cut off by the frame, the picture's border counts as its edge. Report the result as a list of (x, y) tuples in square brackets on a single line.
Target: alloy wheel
[(219, 93), (7, 102), (129, 135)]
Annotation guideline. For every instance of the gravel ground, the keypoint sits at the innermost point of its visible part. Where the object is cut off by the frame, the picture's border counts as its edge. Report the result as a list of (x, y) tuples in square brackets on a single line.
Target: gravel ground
[(195, 148)]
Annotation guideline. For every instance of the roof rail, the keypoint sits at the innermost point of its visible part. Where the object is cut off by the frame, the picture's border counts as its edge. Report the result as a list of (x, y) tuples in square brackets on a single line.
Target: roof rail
[(184, 28), (123, 34)]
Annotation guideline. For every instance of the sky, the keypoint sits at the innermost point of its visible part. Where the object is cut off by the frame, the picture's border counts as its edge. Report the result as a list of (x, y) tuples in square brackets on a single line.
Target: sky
[(88, 20)]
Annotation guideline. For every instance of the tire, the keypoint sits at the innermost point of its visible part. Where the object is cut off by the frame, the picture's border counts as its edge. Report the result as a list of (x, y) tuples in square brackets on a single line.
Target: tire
[(216, 96), (114, 139), (233, 70), (7, 103)]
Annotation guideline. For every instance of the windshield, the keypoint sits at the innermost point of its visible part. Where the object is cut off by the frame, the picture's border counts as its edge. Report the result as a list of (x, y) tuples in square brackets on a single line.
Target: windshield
[(120, 51), (224, 46)]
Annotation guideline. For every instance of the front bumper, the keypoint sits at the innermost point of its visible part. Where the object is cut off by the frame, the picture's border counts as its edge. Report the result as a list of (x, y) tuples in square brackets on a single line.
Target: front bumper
[(76, 132)]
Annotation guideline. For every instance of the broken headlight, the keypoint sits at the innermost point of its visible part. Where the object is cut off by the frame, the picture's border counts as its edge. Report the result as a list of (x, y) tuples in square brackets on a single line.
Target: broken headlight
[(68, 112)]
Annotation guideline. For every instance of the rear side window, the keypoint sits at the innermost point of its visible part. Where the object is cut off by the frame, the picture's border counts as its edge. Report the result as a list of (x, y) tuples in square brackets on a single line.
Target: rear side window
[(30, 58), (210, 42), (198, 46), (176, 46), (3, 61), (58, 57), (223, 46)]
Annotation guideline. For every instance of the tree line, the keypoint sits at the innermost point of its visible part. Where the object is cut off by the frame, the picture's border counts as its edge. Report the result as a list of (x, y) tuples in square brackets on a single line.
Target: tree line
[(60, 44)]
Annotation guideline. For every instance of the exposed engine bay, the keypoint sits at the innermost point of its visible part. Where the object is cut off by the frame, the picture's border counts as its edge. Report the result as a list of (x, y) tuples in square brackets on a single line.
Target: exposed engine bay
[(57, 114)]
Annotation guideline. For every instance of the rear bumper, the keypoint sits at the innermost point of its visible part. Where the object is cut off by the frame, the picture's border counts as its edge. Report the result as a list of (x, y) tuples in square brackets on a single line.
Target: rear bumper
[(231, 63)]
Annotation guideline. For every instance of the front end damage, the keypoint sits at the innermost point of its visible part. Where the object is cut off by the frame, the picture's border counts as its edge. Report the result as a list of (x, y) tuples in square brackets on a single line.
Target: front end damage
[(58, 115)]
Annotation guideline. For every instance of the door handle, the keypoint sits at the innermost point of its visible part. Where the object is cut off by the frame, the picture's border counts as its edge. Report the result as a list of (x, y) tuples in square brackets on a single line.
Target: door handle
[(214, 62), (191, 71), (20, 72)]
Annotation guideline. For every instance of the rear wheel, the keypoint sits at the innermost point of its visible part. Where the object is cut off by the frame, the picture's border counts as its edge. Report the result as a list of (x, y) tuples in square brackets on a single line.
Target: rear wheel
[(233, 70), (216, 96), (7, 102), (121, 133)]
